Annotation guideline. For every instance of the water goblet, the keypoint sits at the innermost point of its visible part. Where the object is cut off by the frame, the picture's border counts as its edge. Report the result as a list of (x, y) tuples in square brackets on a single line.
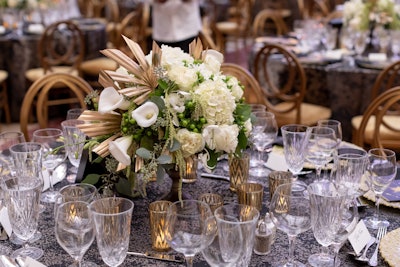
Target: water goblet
[(188, 228), (295, 141), (112, 222), (74, 142), (329, 37), (290, 211), (265, 130), (227, 246), (335, 125), (321, 146), (326, 202), (382, 169), (74, 113), (53, 155), (76, 192), (360, 42), (23, 198), (395, 44), (74, 229)]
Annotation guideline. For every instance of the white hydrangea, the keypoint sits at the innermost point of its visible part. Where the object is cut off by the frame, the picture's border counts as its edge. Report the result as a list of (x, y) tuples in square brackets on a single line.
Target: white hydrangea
[(216, 101), (191, 142), (222, 137), (236, 89), (184, 77)]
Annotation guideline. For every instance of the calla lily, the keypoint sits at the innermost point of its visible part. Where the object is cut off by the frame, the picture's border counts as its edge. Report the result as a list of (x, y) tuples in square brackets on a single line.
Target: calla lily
[(146, 114), (111, 100), (119, 149), (214, 53)]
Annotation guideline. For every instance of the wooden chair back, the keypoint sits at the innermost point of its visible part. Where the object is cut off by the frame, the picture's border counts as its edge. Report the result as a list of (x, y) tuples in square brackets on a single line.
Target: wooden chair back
[(39, 92), (61, 44), (290, 89), (387, 78), (253, 93), (106, 9), (382, 117), (269, 22)]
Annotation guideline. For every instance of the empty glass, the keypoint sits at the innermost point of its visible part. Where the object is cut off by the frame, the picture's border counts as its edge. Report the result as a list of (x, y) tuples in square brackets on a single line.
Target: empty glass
[(74, 113), (189, 228), (291, 212), (382, 169), (74, 142), (295, 141), (54, 154), (112, 221), (8, 139), (246, 217), (74, 229), (76, 192), (23, 198), (395, 44)]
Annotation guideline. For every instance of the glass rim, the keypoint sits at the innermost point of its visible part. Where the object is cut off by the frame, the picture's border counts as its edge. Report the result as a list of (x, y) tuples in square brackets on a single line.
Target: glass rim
[(254, 210), (126, 210)]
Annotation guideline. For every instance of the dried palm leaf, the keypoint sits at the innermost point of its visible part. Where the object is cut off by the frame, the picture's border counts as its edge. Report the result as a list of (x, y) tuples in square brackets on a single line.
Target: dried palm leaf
[(103, 148), (97, 124), (196, 48)]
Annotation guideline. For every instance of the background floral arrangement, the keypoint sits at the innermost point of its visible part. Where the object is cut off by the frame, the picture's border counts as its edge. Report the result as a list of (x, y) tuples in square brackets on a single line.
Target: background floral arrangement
[(159, 109), (367, 14)]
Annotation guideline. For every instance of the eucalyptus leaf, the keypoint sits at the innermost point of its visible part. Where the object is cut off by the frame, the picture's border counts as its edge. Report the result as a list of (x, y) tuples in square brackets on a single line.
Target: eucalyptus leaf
[(158, 101), (143, 153), (160, 173), (164, 159), (175, 146), (124, 187)]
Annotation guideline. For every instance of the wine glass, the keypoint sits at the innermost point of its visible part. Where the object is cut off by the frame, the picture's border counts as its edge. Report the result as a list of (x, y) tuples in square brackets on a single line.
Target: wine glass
[(227, 246), (326, 202), (290, 211), (112, 223), (320, 147), (74, 142), (295, 141), (188, 229), (360, 42), (335, 125), (382, 169), (329, 37), (345, 226), (53, 155), (23, 198), (74, 229), (8, 139), (265, 130), (74, 113)]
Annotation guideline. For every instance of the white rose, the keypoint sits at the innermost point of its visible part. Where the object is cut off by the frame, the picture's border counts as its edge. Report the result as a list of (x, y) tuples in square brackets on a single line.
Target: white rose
[(146, 114), (213, 61), (248, 126), (221, 138), (191, 143), (236, 89)]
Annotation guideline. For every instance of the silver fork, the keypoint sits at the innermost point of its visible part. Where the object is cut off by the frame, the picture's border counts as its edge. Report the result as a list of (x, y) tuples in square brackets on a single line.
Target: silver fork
[(363, 256), (373, 261)]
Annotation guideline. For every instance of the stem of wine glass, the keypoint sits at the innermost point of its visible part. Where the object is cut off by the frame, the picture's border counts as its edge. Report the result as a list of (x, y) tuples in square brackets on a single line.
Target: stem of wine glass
[(50, 171), (292, 245), (189, 261), (336, 249), (318, 170), (377, 202)]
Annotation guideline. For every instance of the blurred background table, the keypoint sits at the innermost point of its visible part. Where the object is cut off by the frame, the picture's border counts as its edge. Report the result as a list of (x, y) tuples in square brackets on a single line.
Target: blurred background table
[(19, 53)]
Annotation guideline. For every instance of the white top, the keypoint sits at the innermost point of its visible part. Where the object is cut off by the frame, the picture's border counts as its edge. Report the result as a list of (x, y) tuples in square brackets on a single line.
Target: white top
[(175, 20)]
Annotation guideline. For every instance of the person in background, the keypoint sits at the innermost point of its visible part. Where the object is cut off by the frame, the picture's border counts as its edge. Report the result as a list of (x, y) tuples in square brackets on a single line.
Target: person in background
[(176, 23)]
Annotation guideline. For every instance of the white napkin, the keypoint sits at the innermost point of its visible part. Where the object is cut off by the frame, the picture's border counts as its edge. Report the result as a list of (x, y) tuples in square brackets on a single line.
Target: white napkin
[(35, 28), (29, 262), (276, 160), (377, 57), (59, 174), (2, 29)]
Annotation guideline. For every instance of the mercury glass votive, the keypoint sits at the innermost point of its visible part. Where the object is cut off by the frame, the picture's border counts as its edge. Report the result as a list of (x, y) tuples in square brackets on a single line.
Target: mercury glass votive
[(191, 170), (158, 214)]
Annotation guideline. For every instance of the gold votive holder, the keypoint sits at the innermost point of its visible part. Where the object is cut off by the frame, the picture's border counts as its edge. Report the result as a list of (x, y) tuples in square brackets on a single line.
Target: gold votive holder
[(158, 216), (191, 170), (276, 178), (213, 200), (250, 194), (238, 170)]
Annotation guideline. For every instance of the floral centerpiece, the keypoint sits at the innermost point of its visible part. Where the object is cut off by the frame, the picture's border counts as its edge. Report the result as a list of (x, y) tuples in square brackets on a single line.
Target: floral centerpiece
[(156, 110), (19, 4), (368, 14)]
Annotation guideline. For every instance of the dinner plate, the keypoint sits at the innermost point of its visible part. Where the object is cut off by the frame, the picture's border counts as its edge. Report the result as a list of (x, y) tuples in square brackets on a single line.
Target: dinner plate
[(390, 248), (364, 62)]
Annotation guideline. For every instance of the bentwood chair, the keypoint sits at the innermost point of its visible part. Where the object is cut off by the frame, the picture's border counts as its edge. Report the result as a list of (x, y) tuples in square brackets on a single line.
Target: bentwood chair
[(380, 124), (4, 96), (283, 80), (253, 93), (270, 22), (38, 92), (61, 49)]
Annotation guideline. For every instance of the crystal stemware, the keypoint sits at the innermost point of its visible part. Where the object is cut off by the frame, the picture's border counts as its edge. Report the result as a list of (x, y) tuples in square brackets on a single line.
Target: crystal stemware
[(326, 202), (53, 155), (295, 141), (382, 169), (321, 146), (290, 211), (23, 198), (8, 139), (188, 228), (265, 130), (74, 229)]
